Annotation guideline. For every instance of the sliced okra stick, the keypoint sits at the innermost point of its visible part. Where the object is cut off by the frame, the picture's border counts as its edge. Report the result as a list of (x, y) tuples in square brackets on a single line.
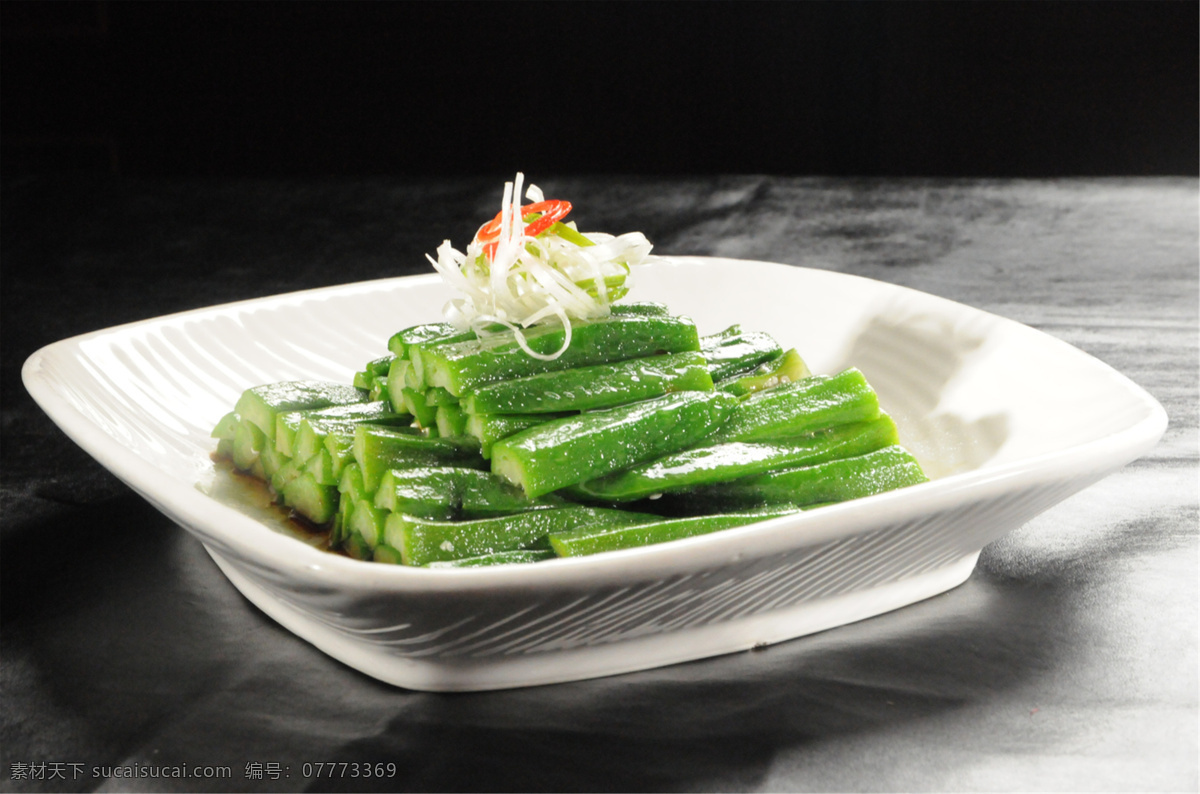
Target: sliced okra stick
[(414, 402), (316, 502), (451, 421), (261, 404), (365, 378), (340, 447), (733, 351), (279, 470), (379, 389), (224, 431), (594, 540), (802, 407), (357, 548), (396, 380), (367, 520), (351, 486), (437, 397), (567, 451), (226, 426), (451, 492), (401, 341), (378, 449), (590, 388), (292, 439), (832, 481), (414, 376), (386, 554), (712, 463), (490, 428), (248, 443), (464, 365), (423, 541), (320, 466), (315, 428), (788, 368)]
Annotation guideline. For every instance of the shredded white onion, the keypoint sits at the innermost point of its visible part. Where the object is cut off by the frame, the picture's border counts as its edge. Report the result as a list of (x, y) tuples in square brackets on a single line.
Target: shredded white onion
[(533, 280)]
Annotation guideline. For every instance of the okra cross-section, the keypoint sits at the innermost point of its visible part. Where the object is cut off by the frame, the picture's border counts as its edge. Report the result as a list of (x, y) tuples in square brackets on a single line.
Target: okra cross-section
[(567, 451), (590, 388), (464, 365)]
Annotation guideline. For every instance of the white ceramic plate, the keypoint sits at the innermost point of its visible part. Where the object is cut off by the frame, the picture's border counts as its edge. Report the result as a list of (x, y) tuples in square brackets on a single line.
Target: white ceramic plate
[(1006, 420)]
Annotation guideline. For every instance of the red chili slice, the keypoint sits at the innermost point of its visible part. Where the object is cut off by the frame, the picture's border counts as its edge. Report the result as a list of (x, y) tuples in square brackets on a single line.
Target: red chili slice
[(550, 211)]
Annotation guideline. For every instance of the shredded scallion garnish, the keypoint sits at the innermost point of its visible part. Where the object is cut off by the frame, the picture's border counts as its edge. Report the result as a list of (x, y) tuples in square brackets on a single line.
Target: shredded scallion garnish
[(516, 280)]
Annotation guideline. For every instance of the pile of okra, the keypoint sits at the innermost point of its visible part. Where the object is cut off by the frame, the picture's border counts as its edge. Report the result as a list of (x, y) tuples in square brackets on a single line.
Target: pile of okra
[(462, 450)]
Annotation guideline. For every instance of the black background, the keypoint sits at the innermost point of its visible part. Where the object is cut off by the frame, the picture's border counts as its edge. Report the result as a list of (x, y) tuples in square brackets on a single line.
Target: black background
[(349, 89)]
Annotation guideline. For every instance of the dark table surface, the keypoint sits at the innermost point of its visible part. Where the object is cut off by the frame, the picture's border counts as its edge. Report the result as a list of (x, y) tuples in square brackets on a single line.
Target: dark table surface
[(1066, 662)]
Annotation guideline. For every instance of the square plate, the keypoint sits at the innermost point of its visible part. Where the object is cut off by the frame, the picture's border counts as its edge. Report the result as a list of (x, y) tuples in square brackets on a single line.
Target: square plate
[(1006, 420)]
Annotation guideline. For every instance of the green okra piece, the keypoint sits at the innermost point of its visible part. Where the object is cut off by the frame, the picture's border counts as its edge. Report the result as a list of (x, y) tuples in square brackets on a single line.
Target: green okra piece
[(568, 451), (262, 404), (593, 540), (340, 447), (335, 528), (226, 426), (731, 460), (225, 431), (320, 466), (829, 482), (415, 376), (423, 541), (279, 470), (357, 548), (591, 388), (788, 368), (460, 366), (733, 350), (365, 378), (515, 557), (299, 433), (248, 444), (451, 421), (802, 407), (386, 554), (451, 492), (427, 333), (351, 486), (414, 403), (437, 397), (313, 431), (380, 449), (379, 390), (313, 501), (396, 381), (367, 520), (490, 428)]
